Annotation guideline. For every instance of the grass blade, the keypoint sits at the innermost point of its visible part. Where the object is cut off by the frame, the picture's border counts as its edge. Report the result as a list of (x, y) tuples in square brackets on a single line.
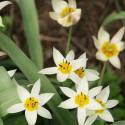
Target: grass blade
[(31, 27)]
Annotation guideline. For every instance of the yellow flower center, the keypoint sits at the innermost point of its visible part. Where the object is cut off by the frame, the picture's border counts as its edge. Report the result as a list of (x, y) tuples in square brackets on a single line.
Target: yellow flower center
[(31, 104), (103, 105), (81, 100), (109, 49), (65, 67), (66, 11), (80, 72)]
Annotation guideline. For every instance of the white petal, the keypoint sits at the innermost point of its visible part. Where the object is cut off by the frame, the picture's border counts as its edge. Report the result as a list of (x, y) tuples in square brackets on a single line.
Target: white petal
[(23, 93), (49, 71), (36, 88), (81, 115), (91, 75), (83, 56), (94, 105), (106, 115), (118, 36), (95, 91), (103, 36), (62, 77), (72, 3), (121, 45), (44, 113), (83, 87), (31, 117), (53, 15), (68, 104), (115, 61), (59, 5), (4, 3), (67, 91), (1, 52), (70, 56), (76, 15), (112, 103), (1, 25), (12, 72), (76, 63), (44, 98), (75, 78), (101, 56), (16, 108), (104, 95), (96, 42), (57, 56), (91, 120)]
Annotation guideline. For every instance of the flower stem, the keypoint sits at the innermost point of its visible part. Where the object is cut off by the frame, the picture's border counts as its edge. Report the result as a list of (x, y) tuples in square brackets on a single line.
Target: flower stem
[(69, 40), (102, 73)]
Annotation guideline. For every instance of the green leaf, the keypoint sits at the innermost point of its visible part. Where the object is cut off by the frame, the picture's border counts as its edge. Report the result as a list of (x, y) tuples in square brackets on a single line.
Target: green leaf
[(114, 17), (31, 72), (31, 27), (8, 94), (1, 121), (119, 123)]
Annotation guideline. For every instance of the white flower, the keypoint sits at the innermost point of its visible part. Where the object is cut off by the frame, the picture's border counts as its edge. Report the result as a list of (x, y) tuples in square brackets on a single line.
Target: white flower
[(109, 49), (104, 114), (66, 14), (83, 73), (12, 72), (82, 100), (64, 66), (2, 5), (32, 103)]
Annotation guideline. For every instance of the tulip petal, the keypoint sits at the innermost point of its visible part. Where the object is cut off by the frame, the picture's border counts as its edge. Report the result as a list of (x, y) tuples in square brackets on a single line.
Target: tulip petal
[(96, 42), (112, 103), (4, 3), (101, 56), (106, 115), (104, 95), (68, 104), (44, 98), (81, 116), (49, 71), (36, 88), (91, 120), (67, 91), (53, 15), (115, 61), (61, 77), (44, 113), (1, 25), (12, 72), (70, 56), (118, 36), (72, 3), (16, 108), (31, 117)]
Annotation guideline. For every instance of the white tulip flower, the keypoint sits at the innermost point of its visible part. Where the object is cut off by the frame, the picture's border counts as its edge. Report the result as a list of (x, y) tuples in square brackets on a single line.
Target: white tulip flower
[(82, 99), (108, 50), (65, 67), (83, 72), (104, 114), (66, 14), (32, 103)]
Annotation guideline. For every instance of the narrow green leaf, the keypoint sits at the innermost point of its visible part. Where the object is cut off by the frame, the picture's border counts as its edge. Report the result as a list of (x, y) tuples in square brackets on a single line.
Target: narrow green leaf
[(1, 121), (8, 94), (31, 27), (119, 123), (114, 17), (31, 72)]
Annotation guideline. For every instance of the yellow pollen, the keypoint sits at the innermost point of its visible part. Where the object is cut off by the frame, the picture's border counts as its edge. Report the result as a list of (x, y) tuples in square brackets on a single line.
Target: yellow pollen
[(81, 100), (109, 49), (65, 67), (103, 106), (31, 104), (66, 11), (80, 72)]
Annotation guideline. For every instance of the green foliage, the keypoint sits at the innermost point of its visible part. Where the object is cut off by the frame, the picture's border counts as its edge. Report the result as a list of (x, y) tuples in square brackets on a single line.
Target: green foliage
[(119, 123), (1, 122), (114, 17)]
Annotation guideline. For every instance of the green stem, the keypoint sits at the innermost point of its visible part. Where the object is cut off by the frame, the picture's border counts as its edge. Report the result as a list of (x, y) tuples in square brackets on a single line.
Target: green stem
[(69, 40), (102, 73)]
